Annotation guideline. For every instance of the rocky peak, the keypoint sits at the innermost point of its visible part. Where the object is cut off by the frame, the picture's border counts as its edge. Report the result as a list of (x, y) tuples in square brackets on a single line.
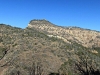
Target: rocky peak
[(39, 22)]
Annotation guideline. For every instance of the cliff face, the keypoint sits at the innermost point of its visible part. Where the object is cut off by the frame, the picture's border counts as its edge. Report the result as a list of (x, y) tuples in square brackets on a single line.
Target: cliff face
[(46, 47)]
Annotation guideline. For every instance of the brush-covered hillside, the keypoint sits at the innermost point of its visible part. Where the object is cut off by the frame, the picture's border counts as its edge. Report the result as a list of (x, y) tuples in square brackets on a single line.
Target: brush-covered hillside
[(43, 48)]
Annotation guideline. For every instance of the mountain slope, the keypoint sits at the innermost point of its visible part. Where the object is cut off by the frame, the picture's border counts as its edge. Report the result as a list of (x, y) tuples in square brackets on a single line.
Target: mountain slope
[(45, 45), (87, 38)]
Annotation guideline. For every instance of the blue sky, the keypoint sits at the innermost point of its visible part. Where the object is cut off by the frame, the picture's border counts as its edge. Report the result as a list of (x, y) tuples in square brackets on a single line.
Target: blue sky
[(80, 13)]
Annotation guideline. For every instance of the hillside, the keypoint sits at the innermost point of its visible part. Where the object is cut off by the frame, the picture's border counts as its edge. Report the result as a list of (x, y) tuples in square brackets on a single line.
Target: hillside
[(87, 38), (45, 48)]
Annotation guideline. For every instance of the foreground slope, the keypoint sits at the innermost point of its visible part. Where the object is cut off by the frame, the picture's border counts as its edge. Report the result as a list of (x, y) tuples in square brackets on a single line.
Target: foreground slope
[(45, 45)]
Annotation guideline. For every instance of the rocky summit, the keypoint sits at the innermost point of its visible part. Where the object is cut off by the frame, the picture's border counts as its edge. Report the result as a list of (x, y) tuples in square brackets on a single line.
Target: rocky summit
[(43, 48)]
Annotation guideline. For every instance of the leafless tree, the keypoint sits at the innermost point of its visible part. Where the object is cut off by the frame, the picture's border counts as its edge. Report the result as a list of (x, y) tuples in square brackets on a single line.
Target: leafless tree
[(36, 69)]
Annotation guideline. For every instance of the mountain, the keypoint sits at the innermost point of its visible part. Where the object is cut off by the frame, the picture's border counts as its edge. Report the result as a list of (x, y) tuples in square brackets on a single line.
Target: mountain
[(87, 38), (44, 48)]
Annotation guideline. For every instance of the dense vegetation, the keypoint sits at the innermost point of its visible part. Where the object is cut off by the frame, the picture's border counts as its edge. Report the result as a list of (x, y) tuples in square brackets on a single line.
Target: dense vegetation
[(30, 52)]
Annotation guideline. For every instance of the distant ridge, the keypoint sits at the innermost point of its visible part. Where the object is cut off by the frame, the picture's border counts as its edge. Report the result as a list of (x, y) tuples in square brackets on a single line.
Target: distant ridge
[(80, 35)]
